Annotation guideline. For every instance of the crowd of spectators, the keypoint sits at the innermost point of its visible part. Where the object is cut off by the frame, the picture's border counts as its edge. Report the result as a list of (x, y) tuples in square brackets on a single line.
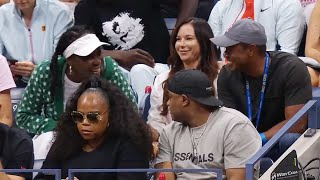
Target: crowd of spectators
[(229, 76)]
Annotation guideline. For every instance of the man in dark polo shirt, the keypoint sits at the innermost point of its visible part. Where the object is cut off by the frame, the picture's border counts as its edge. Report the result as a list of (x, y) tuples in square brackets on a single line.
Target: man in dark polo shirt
[(16, 152), (268, 87)]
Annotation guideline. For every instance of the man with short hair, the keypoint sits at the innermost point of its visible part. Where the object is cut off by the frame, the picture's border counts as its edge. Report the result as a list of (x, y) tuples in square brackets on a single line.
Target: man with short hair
[(283, 20), (16, 152), (269, 87), (204, 134)]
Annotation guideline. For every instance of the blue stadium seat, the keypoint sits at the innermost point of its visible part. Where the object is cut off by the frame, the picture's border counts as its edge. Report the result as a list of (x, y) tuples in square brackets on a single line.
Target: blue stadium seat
[(16, 96), (265, 164), (170, 22), (146, 108)]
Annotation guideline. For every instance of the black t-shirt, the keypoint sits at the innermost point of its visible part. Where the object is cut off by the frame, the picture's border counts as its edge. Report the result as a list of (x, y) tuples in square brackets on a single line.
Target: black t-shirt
[(113, 154), (127, 24), (170, 8), (288, 84), (16, 150)]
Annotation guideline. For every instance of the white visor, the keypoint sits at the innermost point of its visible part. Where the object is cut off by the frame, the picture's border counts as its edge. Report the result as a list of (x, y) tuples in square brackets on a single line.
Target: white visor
[(83, 46)]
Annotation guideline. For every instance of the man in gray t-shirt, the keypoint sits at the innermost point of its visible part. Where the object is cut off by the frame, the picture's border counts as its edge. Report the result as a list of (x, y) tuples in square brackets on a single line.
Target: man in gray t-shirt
[(204, 134)]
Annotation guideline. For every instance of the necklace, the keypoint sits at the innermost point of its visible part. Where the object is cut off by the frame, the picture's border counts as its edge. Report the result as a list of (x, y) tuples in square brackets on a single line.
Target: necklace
[(198, 138)]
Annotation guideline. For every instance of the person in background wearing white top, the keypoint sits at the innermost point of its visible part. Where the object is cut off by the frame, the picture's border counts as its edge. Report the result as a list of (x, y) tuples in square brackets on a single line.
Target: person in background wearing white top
[(29, 33), (283, 20), (6, 83), (204, 134), (71, 4), (190, 49)]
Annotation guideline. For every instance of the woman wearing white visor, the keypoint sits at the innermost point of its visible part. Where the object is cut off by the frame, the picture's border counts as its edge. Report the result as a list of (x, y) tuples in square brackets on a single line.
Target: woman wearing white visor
[(77, 57)]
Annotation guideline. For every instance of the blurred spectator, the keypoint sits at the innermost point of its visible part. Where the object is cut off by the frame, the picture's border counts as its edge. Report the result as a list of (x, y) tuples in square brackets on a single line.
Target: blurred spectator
[(77, 56), (204, 134), (191, 49), (137, 34), (6, 83), (29, 32), (100, 129), (269, 87), (16, 152), (308, 6), (184, 9), (2, 2), (313, 44), (71, 4), (283, 20)]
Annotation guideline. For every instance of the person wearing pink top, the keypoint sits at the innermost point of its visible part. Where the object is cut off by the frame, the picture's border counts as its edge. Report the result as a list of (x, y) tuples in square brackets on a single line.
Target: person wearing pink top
[(6, 83)]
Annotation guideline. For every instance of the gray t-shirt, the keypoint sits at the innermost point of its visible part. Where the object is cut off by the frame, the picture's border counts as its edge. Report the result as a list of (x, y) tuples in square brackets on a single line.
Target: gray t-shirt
[(227, 140)]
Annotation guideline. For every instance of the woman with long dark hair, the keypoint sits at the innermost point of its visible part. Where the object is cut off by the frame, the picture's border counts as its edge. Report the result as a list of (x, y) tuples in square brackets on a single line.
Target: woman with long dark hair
[(100, 129), (190, 48), (77, 57)]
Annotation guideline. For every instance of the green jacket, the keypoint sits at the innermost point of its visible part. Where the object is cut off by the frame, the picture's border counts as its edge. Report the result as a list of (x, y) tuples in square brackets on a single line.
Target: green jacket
[(38, 114)]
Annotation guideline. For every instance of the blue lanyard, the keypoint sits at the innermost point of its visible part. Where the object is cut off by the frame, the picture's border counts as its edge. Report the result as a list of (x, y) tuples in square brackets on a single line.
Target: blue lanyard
[(264, 83)]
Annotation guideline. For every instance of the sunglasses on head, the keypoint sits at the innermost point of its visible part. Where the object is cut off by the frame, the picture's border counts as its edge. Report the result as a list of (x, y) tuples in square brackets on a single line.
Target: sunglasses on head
[(92, 117)]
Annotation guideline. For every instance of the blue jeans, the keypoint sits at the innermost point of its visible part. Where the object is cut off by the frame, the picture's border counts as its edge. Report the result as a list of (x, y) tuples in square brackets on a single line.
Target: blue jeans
[(283, 144)]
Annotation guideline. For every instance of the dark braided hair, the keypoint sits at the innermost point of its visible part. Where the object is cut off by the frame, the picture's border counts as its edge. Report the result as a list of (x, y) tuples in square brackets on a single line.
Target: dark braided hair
[(66, 39), (125, 122)]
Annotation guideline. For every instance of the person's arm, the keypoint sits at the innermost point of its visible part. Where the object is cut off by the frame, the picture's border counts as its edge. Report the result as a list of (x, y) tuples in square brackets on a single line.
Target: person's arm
[(187, 8), (129, 58), (4, 176), (313, 42), (236, 174), (63, 21), (290, 111), (5, 108), (224, 92), (22, 68), (165, 156), (289, 26), (242, 141), (29, 114), (165, 165), (155, 120), (297, 92), (118, 79)]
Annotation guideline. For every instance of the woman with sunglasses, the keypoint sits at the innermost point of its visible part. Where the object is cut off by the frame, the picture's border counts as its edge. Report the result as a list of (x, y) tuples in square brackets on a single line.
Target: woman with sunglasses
[(100, 129), (77, 57)]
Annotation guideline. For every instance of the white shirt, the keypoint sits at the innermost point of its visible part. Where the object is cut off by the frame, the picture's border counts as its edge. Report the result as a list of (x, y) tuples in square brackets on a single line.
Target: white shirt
[(283, 21), (69, 88)]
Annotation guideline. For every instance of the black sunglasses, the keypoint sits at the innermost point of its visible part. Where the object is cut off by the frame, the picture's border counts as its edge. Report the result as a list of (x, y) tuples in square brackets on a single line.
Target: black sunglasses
[(92, 117)]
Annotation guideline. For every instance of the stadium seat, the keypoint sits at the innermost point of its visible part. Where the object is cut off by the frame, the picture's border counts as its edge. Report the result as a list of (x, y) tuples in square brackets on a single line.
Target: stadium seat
[(16, 95), (170, 22), (146, 108), (265, 164)]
